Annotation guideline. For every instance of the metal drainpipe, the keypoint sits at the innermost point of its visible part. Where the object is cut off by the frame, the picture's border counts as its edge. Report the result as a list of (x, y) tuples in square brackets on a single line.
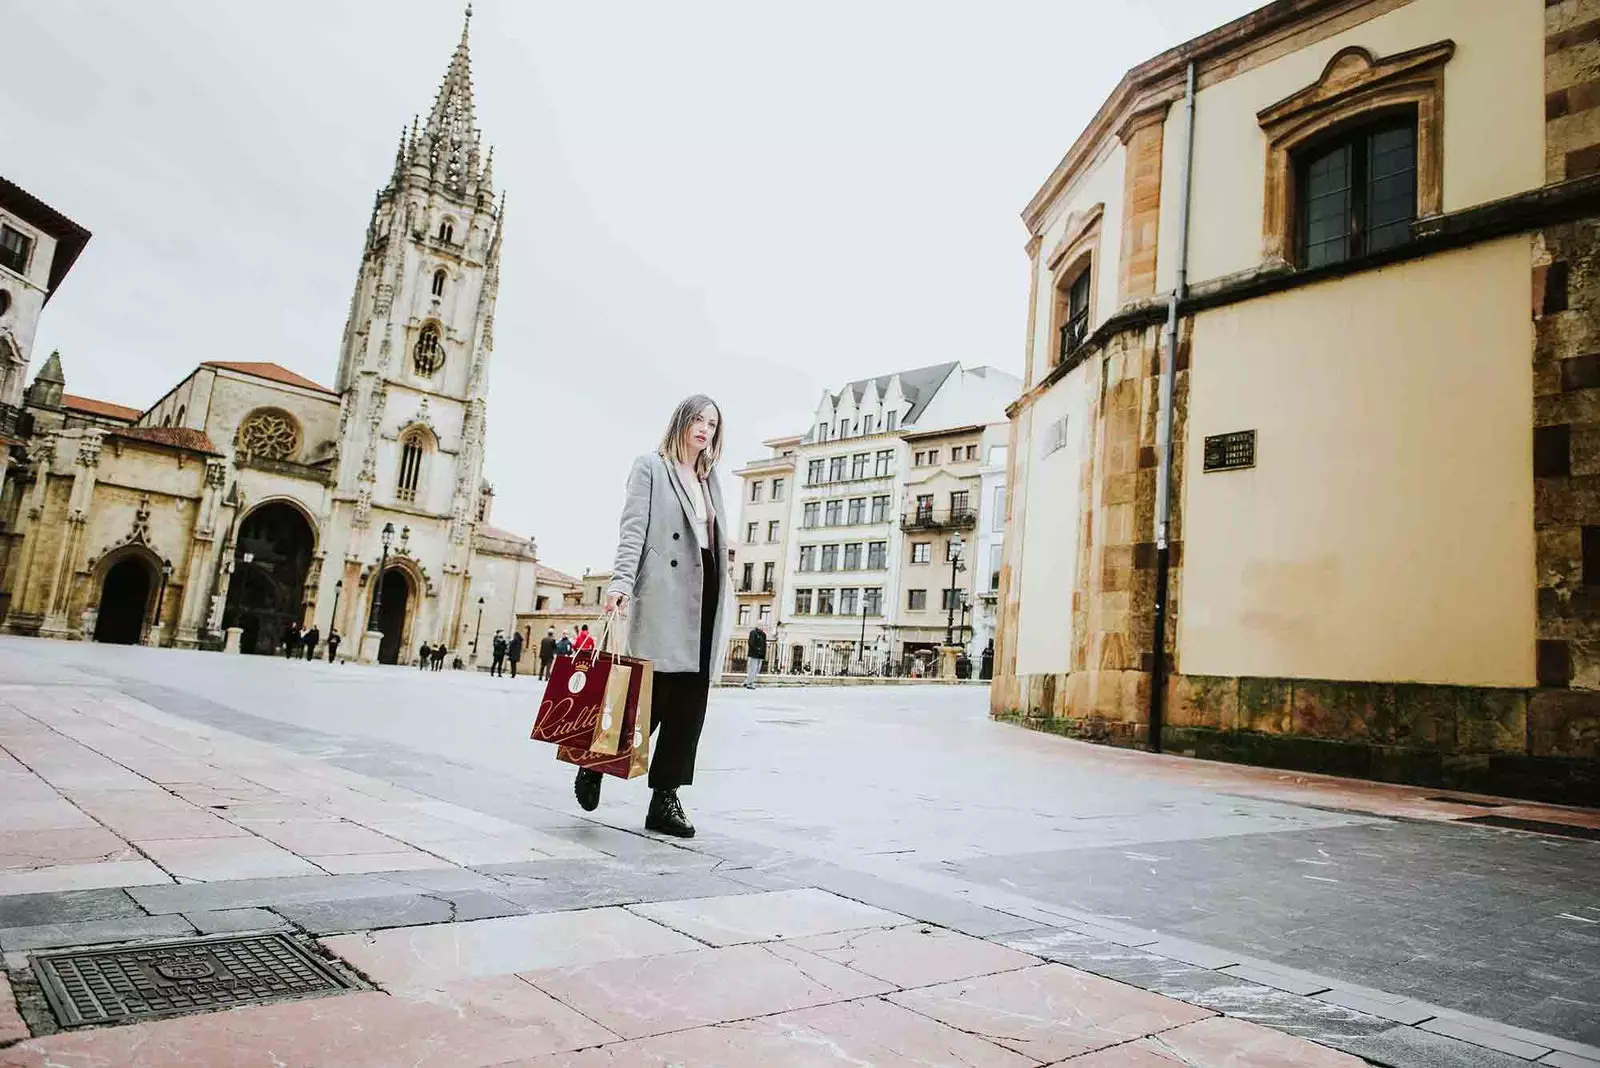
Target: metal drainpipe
[(1169, 374)]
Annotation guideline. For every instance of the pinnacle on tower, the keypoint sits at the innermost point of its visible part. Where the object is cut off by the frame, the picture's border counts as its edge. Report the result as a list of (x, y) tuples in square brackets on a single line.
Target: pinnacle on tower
[(450, 135)]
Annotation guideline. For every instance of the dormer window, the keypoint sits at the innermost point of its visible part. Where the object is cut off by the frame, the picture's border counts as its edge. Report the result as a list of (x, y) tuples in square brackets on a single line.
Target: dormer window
[(438, 282)]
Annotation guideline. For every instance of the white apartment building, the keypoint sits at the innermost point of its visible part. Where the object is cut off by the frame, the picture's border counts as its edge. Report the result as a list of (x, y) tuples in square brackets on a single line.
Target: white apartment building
[(760, 541), (842, 547)]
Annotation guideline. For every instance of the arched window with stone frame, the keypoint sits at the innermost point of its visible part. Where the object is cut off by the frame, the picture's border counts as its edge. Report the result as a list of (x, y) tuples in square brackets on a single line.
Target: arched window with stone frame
[(439, 278), (447, 231), (428, 355), (415, 445)]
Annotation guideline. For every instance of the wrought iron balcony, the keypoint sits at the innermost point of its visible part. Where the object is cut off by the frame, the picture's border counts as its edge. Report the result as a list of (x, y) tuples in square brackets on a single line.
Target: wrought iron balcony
[(939, 519)]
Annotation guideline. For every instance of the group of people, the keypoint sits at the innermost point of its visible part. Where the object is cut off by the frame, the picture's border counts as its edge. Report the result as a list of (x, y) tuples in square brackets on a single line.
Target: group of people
[(506, 651), (302, 645), (431, 657)]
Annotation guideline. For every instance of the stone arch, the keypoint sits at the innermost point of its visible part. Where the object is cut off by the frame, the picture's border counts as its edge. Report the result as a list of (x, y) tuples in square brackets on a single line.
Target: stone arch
[(403, 588), (126, 583), (272, 560)]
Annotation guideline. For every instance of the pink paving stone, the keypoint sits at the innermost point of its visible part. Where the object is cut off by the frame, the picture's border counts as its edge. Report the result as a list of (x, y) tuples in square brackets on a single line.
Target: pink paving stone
[(82, 877), (483, 1022), (367, 863), (727, 921), (914, 955), (1219, 1042), (43, 814), (422, 956), (219, 859), (651, 995), (11, 1026), (1050, 1012), (316, 838), (138, 817), (852, 1034), (26, 850)]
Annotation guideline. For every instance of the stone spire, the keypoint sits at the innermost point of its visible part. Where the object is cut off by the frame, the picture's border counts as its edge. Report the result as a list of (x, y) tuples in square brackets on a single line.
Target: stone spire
[(450, 136), (47, 384)]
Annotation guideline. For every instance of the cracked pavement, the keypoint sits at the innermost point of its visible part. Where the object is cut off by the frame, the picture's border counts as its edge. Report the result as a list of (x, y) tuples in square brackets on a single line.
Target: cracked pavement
[(884, 876)]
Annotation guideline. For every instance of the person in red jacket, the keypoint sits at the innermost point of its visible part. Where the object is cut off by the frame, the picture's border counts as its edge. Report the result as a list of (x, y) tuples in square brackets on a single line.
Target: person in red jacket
[(584, 642)]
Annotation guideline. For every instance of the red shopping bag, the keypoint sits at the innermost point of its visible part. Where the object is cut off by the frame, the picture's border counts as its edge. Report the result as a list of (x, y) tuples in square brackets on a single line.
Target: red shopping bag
[(631, 758), (585, 699)]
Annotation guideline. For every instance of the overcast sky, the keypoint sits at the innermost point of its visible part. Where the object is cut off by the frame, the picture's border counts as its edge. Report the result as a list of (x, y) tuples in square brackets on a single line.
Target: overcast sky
[(752, 199)]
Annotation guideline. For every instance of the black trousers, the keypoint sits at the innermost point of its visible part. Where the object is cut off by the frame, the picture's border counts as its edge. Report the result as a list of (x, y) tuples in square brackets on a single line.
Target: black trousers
[(678, 700)]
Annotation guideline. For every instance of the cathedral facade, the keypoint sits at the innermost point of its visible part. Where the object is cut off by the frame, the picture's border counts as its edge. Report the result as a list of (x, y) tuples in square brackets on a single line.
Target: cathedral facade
[(249, 499)]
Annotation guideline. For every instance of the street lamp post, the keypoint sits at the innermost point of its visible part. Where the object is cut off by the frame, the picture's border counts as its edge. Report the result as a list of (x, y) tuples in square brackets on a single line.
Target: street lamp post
[(956, 545), (383, 562), (477, 632), (338, 588), (161, 595)]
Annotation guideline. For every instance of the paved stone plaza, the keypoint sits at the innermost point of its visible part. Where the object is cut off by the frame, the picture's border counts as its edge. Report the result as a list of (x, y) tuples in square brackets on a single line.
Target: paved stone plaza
[(883, 877)]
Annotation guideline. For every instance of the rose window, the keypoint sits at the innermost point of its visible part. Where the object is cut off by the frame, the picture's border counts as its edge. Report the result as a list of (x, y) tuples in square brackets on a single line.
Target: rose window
[(270, 435)]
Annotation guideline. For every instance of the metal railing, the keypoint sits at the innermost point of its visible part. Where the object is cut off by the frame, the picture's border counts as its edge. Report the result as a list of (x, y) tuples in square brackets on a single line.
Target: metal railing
[(939, 519)]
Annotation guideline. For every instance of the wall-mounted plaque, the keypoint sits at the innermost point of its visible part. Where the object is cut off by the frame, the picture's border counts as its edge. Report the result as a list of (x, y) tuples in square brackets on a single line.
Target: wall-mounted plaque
[(1231, 452)]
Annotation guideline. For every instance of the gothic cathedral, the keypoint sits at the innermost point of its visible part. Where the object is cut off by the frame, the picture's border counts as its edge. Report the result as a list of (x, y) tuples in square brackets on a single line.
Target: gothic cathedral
[(249, 501)]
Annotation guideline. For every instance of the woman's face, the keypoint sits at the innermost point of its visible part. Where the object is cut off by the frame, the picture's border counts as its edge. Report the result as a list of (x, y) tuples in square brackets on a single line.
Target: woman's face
[(703, 430)]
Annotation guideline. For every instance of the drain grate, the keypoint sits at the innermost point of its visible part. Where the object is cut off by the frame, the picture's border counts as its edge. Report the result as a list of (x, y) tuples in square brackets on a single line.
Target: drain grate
[(162, 979), (1561, 830)]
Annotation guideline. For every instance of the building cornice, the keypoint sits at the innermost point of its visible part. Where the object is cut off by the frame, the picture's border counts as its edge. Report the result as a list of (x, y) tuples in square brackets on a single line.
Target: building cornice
[(1146, 91)]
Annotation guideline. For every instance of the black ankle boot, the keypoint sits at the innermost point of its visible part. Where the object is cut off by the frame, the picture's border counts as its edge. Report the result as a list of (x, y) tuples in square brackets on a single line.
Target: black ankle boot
[(666, 815), (587, 787)]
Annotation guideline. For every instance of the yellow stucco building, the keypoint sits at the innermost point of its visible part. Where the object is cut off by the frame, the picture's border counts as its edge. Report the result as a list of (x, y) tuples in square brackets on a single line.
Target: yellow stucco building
[(1312, 402)]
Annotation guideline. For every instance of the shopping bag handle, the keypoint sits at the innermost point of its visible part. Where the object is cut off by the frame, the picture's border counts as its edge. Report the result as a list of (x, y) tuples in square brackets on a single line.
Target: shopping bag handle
[(602, 644)]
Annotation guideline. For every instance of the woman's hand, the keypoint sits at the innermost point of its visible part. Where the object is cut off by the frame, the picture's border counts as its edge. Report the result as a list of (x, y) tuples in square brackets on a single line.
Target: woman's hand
[(615, 602)]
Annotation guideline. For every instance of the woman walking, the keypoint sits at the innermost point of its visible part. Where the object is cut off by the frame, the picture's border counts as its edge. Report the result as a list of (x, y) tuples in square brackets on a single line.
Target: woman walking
[(671, 550)]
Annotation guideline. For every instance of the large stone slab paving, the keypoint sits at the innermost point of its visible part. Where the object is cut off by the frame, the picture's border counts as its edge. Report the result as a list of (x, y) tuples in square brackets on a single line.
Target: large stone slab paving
[(916, 955), (93, 932), (234, 921), (763, 917), (381, 863), (29, 850), (1049, 1012), (560, 885), (82, 877), (421, 956), (652, 995), (245, 893), (406, 910), (847, 1035), (484, 1022), (222, 859), (1218, 1043), (71, 906)]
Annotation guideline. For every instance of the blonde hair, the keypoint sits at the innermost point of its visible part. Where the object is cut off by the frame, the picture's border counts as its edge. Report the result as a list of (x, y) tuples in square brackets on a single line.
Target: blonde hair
[(672, 443)]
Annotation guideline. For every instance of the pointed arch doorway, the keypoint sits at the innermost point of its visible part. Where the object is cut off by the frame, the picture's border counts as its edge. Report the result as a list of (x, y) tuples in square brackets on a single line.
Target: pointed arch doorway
[(124, 602), (393, 615), (267, 590)]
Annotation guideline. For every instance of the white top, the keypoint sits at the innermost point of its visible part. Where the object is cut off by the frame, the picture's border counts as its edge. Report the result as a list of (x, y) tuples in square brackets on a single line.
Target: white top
[(698, 504)]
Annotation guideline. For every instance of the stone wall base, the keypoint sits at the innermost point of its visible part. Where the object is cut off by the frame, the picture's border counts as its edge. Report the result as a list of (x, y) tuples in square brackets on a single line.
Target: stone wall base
[(1541, 744)]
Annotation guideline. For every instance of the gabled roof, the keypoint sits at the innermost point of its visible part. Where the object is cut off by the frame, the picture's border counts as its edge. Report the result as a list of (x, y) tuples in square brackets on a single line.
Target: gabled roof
[(177, 437), (917, 386), (271, 372), (99, 407), (70, 237), (550, 576)]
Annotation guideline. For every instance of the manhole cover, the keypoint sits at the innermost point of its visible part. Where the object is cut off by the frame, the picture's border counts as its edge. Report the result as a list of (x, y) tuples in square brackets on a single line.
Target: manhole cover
[(139, 982)]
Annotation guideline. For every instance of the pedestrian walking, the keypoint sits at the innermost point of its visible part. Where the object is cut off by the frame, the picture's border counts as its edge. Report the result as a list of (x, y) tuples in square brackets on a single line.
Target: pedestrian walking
[(497, 665), (584, 642), (547, 653), (514, 651), (291, 640), (986, 664), (333, 646), (424, 655), (564, 646), (311, 640), (672, 552), (438, 656), (755, 654)]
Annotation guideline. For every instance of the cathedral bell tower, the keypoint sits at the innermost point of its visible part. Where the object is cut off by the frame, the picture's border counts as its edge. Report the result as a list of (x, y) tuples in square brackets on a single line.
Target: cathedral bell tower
[(414, 364)]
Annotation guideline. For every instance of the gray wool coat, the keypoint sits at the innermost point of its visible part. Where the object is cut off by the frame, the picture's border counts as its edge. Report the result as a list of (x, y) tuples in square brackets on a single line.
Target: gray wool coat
[(658, 568)]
